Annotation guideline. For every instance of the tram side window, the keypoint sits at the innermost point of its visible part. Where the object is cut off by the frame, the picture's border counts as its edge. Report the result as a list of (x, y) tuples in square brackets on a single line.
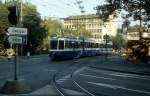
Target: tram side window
[(66, 44), (54, 44), (96, 45), (76, 45), (61, 44)]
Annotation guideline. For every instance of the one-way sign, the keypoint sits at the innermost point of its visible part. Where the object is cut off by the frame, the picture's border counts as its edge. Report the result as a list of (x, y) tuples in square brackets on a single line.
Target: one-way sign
[(15, 39), (17, 31)]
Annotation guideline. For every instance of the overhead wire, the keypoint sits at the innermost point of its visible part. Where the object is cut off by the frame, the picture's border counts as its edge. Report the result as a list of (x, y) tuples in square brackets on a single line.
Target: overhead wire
[(59, 6)]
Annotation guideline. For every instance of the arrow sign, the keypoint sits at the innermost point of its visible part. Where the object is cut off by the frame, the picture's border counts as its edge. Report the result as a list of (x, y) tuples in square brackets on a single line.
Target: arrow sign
[(15, 39), (17, 31)]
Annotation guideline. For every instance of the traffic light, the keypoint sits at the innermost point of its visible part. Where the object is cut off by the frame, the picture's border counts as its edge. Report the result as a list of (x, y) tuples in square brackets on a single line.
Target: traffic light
[(12, 16)]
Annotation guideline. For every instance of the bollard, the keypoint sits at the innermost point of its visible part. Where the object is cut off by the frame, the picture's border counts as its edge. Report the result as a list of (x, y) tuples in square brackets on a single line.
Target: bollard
[(28, 53)]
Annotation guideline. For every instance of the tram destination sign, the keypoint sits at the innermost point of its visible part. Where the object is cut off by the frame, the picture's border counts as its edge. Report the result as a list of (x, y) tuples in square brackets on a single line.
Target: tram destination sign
[(17, 31)]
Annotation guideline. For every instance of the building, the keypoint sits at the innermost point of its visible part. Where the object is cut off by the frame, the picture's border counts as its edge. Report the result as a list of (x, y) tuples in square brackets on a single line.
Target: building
[(133, 32), (92, 24)]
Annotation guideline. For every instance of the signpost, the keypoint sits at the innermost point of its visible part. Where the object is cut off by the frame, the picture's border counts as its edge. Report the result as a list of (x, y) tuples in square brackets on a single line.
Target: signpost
[(17, 31), (15, 39), (16, 36)]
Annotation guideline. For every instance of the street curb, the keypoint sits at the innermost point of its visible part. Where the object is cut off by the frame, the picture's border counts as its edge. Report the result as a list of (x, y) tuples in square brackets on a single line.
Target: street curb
[(122, 71)]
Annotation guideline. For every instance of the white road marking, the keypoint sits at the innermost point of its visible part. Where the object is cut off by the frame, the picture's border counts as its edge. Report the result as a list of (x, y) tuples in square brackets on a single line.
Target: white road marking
[(124, 75), (104, 85), (59, 81), (130, 76), (95, 70), (73, 92), (119, 87), (63, 79), (97, 77), (78, 71)]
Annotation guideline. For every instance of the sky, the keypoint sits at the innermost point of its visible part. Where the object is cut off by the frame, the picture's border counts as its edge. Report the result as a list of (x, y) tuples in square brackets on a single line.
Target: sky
[(64, 8)]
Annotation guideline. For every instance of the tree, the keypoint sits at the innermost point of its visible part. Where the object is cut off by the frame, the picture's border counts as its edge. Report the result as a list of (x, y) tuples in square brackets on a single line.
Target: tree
[(118, 41), (4, 24), (36, 32), (3, 18), (53, 28), (114, 7)]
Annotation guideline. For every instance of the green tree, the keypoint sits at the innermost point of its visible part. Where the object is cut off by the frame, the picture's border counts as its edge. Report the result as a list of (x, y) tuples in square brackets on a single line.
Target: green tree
[(36, 32), (53, 28), (114, 7), (3, 17), (118, 41)]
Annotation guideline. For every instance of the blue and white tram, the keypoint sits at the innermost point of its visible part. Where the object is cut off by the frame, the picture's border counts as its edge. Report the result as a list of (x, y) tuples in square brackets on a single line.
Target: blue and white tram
[(73, 47)]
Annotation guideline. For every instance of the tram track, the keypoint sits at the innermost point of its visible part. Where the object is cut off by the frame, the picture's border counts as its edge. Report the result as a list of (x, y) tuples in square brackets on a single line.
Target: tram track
[(59, 87)]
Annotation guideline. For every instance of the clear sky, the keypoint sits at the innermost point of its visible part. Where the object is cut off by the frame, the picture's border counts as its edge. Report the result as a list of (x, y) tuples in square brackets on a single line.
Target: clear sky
[(64, 8)]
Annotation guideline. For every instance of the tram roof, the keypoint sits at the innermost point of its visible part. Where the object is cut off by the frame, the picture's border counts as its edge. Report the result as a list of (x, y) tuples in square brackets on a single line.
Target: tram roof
[(74, 38)]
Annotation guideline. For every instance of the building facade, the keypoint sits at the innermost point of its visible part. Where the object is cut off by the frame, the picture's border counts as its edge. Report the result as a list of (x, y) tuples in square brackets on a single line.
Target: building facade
[(92, 24)]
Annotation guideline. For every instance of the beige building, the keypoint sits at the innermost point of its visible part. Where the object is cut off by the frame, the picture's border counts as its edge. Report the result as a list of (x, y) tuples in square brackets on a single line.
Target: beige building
[(133, 32), (92, 24)]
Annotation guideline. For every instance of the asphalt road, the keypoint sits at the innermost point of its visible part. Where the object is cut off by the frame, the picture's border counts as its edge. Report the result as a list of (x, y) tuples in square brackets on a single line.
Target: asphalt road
[(38, 72), (108, 83)]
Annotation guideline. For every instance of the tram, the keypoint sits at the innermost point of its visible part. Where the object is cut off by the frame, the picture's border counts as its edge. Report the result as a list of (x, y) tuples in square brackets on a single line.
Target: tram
[(76, 47)]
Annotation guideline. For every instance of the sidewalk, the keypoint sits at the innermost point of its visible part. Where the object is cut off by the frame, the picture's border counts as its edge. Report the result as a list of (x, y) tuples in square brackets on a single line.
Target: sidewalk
[(121, 64)]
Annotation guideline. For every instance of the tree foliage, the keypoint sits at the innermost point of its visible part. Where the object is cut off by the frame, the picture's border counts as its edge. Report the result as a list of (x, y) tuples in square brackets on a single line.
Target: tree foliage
[(3, 17), (36, 32), (118, 41), (114, 7), (52, 27)]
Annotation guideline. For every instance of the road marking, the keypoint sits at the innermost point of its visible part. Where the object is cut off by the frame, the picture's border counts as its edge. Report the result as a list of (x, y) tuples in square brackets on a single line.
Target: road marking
[(73, 92), (124, 75), (119, 87), (63, 79), (95, 70), (104, 85), (97, 77), (59, 81), (130, 76), (78, 71)]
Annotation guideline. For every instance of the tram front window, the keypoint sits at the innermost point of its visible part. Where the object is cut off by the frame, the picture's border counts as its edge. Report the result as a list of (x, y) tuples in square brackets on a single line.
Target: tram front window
[(54, 44)]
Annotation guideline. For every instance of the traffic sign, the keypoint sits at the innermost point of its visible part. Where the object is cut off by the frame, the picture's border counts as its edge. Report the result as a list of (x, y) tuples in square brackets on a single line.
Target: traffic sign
[(15, 39), (17, 31)]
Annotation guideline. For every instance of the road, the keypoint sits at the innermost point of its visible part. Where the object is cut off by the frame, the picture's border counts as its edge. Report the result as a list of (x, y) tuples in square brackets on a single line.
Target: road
[(38, 71), (101, 82)]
